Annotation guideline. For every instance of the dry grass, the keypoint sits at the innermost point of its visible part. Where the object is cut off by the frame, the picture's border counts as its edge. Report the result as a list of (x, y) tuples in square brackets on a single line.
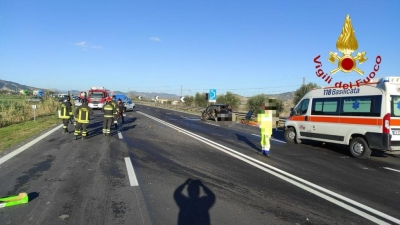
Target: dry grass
[(12, 112)]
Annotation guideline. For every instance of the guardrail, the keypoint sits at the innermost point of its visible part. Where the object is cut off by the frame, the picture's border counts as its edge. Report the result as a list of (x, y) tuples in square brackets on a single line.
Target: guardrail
[(237, 115)]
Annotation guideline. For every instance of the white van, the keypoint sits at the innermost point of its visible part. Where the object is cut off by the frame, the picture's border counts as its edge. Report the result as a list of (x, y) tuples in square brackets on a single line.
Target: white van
[(364, 118)]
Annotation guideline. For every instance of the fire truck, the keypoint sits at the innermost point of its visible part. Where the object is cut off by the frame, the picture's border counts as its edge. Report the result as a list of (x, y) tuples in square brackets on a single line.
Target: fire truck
[(97, 97)]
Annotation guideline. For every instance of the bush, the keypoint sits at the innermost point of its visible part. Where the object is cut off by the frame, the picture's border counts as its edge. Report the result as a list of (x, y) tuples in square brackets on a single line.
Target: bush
[(229, 98), (303, 90), (200, 100), (189, 100), (254, 103)]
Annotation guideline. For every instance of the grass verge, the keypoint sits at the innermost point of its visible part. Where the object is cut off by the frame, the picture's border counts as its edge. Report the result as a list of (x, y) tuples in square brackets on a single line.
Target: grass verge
[(16, 133)]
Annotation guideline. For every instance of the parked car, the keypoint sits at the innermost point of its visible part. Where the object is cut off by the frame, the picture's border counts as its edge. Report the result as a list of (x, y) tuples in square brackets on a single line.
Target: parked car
[(217, 112), (129, 104), (77, 102), (35, 99)]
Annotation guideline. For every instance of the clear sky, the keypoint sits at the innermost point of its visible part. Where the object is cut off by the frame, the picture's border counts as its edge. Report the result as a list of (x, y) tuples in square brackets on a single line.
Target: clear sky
[(246, 47)]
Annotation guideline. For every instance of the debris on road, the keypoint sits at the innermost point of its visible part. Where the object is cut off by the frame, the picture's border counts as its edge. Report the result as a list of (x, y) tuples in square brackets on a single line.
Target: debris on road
[(14, 200)]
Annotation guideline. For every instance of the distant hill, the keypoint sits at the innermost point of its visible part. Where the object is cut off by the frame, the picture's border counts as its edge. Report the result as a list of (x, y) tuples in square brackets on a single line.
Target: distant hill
[(150, 95), (14, 87), (285, 96)]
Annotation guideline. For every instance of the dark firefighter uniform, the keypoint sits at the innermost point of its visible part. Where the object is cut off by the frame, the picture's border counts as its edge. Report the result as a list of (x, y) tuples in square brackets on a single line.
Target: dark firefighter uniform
[(115, 104), (82, 116), (109, 111), (121, 108), (65, 113)]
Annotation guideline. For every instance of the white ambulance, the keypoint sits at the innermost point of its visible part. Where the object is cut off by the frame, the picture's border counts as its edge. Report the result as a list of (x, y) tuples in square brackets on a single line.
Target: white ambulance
[(365, 118)]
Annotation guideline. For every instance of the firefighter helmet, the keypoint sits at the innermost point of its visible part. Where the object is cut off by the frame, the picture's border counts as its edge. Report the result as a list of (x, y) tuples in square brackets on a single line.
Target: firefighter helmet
[(108, 99)]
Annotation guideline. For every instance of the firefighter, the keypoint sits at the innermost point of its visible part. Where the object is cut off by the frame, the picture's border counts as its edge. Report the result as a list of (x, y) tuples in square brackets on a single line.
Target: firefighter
[(109, 111), (82, 97), (82, 115), (65, 113), (266, 119), (115, 104), (121, 108)]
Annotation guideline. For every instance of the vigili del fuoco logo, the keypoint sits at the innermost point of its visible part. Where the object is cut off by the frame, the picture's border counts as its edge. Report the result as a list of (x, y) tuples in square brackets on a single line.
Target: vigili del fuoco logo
[(346, 62)]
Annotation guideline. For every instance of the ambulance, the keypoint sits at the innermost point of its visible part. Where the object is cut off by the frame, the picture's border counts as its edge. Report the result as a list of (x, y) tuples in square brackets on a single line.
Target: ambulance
[(364, 117)]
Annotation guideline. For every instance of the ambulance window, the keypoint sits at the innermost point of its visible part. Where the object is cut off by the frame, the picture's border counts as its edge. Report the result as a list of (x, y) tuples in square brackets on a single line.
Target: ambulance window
[(302, 107), (325, 106), (395, 106), (362, 106)]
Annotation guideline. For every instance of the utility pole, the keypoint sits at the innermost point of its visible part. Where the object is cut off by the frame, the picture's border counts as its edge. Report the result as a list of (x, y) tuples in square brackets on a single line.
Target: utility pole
[(181, 90), (304, 80)]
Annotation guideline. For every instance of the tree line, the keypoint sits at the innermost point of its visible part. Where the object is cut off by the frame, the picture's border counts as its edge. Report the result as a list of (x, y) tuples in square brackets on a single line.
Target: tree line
[(253, 103)]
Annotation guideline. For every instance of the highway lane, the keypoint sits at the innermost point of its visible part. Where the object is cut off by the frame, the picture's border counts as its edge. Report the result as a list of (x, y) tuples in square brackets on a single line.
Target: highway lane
[(72, 182), (88, 183), (365, 181)]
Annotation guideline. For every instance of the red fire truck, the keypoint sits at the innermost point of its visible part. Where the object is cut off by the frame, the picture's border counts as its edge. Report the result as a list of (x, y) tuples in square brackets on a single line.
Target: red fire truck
[(97, 96)]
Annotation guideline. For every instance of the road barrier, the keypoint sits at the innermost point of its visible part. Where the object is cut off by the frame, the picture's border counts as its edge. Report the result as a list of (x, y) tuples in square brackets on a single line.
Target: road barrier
[(237, 115)]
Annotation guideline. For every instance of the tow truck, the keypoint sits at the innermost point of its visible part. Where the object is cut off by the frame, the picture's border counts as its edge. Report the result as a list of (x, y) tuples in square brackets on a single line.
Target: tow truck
[(96, 97)]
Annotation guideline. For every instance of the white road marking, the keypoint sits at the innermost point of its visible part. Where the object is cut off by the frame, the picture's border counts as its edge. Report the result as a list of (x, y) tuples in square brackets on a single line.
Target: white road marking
[(213, 124), (120, 135), (272, 139), (168, 113), (391, 169), (131, 172), (324, 193), (184, 117), (26, 146)]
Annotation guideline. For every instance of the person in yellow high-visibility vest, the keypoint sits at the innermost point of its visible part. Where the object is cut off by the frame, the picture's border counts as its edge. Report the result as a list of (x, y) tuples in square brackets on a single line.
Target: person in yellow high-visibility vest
[(82, 115), (266, 119), (109, 112), (65, 113)]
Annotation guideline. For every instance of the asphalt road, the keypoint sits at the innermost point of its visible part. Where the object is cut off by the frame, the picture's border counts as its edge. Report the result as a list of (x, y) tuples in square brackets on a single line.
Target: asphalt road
[(167, 167)]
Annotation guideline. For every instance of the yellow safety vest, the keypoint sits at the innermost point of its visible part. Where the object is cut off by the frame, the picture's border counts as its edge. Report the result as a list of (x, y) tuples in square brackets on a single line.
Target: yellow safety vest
[(64, 113), (83, 115), (108, 110)]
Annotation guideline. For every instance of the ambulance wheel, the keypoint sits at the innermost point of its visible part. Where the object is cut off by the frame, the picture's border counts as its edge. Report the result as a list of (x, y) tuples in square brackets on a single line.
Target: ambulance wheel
[(291, 137), (359, 148)]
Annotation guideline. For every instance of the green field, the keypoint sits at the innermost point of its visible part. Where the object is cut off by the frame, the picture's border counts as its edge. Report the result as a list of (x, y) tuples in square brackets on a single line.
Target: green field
[(13, 98), (17, 122), (16, 133)]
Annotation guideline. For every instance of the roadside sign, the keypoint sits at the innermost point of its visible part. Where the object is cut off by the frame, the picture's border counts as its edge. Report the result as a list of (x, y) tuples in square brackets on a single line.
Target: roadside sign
[(183, 99), (212, 95)]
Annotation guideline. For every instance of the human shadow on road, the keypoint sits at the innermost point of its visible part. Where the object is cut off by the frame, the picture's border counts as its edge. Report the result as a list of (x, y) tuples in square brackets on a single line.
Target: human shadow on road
[(194, 209), (32, 196), (278, 134), (248, 142)]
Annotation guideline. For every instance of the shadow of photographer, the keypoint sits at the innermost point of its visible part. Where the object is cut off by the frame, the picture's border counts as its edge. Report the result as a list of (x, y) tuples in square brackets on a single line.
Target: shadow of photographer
[(194, 208)]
